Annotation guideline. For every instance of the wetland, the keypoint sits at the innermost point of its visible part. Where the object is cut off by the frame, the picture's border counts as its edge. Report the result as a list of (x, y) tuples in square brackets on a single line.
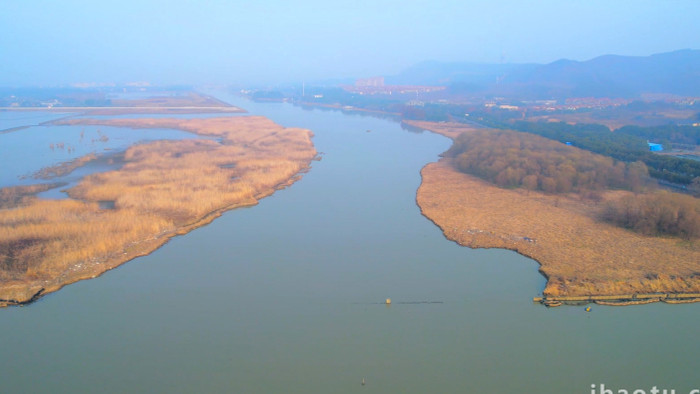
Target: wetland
[(288, 296)]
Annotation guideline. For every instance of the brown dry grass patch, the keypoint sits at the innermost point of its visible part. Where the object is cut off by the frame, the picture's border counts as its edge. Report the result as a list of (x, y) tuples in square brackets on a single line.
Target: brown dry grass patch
[(163, 189), (64, 168), (11, 197), (579, 254)]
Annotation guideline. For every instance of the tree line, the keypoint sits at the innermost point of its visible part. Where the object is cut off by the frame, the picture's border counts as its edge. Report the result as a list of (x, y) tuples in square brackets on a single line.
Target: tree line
[(668, 134), (660, 213), (513, 159), (625, 146)]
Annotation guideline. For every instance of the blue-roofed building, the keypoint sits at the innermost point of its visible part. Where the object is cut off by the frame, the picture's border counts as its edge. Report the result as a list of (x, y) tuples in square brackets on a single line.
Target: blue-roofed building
[(655, 147)]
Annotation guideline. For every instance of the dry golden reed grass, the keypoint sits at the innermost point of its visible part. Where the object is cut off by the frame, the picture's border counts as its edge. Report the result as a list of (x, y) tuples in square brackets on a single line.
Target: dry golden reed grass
[(64, 168), (579, 254), (13, 196), (164, 188)]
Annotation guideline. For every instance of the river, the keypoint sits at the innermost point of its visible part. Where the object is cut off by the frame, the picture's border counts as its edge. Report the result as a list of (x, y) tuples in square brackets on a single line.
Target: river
[(287, 297)]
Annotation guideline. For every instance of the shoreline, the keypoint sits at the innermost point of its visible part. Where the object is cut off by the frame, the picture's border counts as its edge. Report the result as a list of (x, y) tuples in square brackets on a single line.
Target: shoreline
[(621, 299), (162, 239), (125, 110)]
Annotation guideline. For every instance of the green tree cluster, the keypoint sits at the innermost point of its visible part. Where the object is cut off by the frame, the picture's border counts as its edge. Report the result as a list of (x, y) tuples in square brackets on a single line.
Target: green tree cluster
[(625, 146), (668, 134)]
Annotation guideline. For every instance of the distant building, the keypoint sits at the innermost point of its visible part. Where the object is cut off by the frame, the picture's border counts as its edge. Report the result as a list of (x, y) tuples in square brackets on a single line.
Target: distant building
[(367, 82), (372, 86), (655, 147), (508, 107)]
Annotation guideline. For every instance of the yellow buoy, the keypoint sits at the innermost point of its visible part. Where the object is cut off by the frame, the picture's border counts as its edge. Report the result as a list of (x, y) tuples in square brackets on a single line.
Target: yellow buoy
[(588, 309), (388, 301)]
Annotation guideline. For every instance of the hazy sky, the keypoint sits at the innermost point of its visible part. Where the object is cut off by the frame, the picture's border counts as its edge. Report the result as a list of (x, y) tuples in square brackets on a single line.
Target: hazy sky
[(50, 42)]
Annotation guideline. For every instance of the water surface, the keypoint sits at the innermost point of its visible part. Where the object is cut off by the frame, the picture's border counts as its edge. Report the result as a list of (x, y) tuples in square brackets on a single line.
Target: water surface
[(285, 297), (10, 120)]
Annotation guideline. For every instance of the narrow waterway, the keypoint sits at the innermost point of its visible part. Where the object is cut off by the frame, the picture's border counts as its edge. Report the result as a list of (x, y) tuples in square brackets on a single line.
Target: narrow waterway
[(286, 297)]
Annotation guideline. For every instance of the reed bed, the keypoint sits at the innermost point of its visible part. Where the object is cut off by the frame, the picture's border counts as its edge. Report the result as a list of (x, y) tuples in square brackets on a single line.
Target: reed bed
[(580, 254), (14, 196), (64, 168), (164, 188)]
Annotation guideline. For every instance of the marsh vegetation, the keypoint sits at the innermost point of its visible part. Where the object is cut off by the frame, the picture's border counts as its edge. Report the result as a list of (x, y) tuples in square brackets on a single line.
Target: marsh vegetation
[(646, 244), (162, 189)]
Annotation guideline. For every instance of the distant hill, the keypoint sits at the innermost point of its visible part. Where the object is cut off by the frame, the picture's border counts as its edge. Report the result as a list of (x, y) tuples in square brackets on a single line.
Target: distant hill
[(675, 72), (436, 73)]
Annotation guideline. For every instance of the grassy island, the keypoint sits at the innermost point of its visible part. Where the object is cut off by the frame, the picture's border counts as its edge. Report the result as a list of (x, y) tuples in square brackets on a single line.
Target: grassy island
[(162, 189), (563, 224)]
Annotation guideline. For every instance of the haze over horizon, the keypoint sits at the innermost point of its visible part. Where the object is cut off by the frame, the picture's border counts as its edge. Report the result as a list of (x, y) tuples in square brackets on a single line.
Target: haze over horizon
[(271, 42)]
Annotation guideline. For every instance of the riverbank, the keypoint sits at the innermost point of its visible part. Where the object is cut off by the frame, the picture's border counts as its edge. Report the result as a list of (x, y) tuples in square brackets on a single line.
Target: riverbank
[(620, 299), (190, 103), (126, 110), (163, 189), (578, 254)]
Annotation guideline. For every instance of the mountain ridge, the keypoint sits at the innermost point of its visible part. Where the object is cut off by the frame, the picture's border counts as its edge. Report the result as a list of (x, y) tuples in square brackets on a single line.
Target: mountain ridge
[(676, 72)]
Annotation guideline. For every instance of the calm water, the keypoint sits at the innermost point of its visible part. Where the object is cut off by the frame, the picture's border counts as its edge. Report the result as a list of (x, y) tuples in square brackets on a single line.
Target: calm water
[(285, 297), (25, 151), (11, 119)]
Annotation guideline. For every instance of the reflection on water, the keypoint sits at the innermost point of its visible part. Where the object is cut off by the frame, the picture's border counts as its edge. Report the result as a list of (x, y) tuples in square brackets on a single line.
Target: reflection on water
[(288, 296)]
